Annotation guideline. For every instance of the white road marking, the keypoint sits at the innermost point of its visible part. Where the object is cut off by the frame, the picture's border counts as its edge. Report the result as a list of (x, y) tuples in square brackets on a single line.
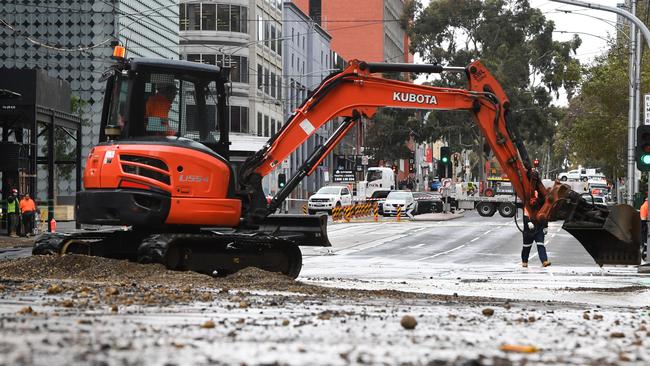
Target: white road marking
[(417, 246), (487, 232), (473, 240), (441, 253)]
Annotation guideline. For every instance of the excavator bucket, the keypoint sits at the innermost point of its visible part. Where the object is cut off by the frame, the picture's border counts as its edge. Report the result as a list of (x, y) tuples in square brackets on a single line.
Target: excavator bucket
[(305, 230), (616, 241)]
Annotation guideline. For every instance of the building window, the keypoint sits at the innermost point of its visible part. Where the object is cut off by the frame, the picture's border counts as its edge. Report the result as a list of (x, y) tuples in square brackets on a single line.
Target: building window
[(182, 17), (273, 84), (238, 67), (279, 86), (273, 40), (260, 27), (267, 80), (292, 60), (272, 127), (208, 59), (260, 78), (208, 16), (266, 126), (267, 33), (235, 17), (223, 17), (291, 35), (194, 57), (259, 124), (194, 15), (239, 119)]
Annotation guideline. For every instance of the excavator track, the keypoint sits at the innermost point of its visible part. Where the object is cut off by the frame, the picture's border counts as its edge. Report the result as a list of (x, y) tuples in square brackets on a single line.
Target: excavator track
[(210, 252), (221, 253)]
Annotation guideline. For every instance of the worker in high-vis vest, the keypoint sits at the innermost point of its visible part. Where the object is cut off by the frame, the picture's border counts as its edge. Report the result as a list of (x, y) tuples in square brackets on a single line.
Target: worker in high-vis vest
[(533, 233), (643, 213), (13, 213), (157, 109)]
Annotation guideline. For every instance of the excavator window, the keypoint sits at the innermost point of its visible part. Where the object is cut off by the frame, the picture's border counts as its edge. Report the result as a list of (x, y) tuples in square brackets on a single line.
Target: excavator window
[(163, 105)]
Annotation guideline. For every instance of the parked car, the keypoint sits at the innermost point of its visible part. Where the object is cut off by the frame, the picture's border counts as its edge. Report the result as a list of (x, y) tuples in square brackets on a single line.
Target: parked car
[(402, 199), (599, 201), (379, 197), (327, 198), (427, 202), (435, 185), (576, 174)]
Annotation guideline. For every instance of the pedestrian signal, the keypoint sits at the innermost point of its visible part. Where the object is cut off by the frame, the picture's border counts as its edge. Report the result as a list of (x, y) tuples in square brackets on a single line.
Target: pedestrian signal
[(282, 180)]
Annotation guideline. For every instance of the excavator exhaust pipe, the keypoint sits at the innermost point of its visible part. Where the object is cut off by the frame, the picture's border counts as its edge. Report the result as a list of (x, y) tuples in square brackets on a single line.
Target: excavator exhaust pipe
[(617, 241)]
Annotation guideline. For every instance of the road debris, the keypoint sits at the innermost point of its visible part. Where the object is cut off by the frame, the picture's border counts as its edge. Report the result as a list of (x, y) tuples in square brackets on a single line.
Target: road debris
[(408, 322)]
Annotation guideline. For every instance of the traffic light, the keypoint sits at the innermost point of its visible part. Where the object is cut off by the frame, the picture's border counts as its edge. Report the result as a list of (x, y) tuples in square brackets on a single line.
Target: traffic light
[(444, 165), (282, 180), (643, 148), (536, 163), (412, 162), (445, 155)]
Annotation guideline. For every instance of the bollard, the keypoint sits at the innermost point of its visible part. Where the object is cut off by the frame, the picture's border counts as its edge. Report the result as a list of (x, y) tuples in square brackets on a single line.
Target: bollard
[(376, 212), (347, 214), (336, 213), (399, 212), (304, 209)]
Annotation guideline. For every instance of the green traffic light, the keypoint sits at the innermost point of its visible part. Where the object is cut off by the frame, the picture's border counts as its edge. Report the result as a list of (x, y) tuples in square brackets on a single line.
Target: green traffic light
[(445, 159), (645, 159)]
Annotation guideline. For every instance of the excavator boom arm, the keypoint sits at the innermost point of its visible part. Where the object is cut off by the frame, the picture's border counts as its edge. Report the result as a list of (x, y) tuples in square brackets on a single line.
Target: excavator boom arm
[(356, 91)]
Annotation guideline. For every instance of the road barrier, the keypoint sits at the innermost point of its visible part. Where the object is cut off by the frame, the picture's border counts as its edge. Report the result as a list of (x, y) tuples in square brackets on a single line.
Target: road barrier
[(399, 213), (375, 210), (304, 209)]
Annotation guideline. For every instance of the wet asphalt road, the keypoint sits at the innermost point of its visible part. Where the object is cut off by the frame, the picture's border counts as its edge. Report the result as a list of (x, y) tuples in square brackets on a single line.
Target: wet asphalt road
[(468, 240), (567, 312)]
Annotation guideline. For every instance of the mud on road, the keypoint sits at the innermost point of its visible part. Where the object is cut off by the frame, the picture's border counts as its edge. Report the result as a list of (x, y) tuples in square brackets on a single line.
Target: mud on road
[(87, 310)]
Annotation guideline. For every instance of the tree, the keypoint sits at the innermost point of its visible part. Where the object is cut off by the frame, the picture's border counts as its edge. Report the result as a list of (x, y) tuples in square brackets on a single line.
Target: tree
[(387, 134), (597, 116), (515, 42)]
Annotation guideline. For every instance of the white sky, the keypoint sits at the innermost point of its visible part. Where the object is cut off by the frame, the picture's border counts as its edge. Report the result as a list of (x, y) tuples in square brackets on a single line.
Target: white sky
[(593, 32)]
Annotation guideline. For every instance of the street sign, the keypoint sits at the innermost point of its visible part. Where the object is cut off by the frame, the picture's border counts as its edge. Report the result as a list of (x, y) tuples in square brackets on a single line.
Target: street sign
[(646, 113), (285, 164), (343, 176)]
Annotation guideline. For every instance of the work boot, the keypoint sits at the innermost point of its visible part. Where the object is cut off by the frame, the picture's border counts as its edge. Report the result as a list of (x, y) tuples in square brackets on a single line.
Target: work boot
[(546, 264), (13, 235), (524, 264)]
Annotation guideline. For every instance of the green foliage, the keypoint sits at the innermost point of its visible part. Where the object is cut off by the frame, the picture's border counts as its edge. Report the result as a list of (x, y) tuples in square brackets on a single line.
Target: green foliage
[(515, 43), (594, 130), (388, 133)]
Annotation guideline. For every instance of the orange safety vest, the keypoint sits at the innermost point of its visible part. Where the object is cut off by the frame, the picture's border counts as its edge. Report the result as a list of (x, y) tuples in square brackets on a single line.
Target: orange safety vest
[(158, 106), (27, 205), (644, 210)]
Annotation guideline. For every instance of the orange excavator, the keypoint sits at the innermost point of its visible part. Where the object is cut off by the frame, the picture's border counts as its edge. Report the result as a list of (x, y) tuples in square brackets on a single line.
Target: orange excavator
[(172, 180)]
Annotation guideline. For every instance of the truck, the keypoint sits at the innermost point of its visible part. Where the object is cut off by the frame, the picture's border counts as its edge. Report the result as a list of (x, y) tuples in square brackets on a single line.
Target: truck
[(377, 178), (502, 201)]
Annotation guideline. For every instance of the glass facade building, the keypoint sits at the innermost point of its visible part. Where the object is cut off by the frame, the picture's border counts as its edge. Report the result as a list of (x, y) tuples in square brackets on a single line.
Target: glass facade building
[(71, 40)]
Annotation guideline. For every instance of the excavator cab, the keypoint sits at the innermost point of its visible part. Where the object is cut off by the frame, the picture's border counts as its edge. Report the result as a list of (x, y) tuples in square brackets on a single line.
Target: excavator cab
[(153, 99)]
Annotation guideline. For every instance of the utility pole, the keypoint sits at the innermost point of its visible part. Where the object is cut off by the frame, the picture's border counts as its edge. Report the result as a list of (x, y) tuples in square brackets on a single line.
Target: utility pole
[(637, 24), (632, 185)]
